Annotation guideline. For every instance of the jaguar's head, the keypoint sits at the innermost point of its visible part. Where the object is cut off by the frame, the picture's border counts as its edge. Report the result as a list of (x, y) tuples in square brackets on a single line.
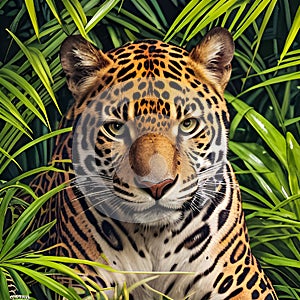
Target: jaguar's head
[(150, 139)]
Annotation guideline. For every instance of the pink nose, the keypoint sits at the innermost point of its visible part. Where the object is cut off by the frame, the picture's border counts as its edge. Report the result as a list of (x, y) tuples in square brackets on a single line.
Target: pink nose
[(157, 190)]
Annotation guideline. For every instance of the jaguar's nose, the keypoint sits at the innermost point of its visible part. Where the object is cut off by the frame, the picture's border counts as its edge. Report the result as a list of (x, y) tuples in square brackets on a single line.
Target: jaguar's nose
[(159, 189)]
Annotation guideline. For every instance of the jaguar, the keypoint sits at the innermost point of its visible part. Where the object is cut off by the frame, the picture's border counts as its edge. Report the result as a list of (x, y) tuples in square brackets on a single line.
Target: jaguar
[(149, 186)]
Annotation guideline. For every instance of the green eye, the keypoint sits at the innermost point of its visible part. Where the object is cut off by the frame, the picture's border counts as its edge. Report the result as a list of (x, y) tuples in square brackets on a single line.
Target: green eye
[(115, 128), (188, 126)]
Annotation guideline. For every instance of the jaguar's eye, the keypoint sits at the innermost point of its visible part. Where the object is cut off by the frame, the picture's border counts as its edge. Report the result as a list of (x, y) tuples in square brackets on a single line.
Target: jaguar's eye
[(188, 126), (114, 128)]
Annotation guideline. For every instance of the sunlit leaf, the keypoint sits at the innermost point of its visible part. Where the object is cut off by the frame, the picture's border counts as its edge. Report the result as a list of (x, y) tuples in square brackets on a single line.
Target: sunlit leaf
[(292, 35), (46, 281), (52, 6), (293, 155), (100, 14), (32, 14), (264, 128)]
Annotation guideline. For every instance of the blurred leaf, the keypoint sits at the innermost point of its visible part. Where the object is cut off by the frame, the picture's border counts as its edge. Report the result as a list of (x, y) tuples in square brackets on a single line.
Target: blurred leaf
[(263, 26), (126, 24), (291, 121)]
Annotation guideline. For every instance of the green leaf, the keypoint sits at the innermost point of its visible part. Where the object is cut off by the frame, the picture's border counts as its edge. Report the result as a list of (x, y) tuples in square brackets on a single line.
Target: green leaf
[(4, 203), (192, 9), (273, 80), (34, 142), (293, 163), (257, 195), (6, 154), (11, 109), (28, 240), (218, 9), (20, 284), (265, 185), (291, 121), (17, 93), (101, 13), (46, 281), (37, 65), (291, 36), (263, 25), (52, 7), (159, 12), (264, 164), (137, 20), (280, 261), (264, 128), (126, 24), (21, 82), (251, 15), (76, 17), (144, 8), (31, 11), (30, 173), (24, 220), (80, 11), (4, 292)]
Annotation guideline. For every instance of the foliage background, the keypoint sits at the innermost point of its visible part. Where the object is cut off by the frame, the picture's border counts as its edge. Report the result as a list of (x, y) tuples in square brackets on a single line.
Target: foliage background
[(263, 97)]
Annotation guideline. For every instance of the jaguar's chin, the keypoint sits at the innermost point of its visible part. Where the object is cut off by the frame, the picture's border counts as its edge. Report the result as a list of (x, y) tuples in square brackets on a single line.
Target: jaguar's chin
[(157, 216)]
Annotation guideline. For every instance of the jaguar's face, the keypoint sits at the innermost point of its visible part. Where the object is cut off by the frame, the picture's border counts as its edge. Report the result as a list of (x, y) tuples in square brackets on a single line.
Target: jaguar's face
[(150, 138), (151, 152)]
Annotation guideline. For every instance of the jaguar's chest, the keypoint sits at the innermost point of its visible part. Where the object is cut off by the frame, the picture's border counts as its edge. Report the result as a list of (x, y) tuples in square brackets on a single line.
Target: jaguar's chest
[(170, 259)]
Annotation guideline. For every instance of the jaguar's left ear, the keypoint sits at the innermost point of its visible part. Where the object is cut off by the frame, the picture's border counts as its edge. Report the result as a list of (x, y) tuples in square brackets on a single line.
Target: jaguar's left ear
[(81, 62), (214, 54)]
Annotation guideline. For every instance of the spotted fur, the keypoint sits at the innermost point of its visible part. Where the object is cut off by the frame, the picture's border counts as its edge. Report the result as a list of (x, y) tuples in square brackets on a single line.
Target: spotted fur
[(151, 123)]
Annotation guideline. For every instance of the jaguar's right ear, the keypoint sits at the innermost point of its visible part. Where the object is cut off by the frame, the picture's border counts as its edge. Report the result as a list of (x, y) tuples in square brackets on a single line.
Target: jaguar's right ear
[(81, 61)]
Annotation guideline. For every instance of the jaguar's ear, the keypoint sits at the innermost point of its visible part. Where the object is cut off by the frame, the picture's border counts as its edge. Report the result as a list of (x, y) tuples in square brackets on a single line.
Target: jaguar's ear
[(214, 54), (81, 61)]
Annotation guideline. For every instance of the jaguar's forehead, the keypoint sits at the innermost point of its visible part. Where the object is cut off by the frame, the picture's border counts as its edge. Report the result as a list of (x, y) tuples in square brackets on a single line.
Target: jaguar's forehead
[(149, 58)]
